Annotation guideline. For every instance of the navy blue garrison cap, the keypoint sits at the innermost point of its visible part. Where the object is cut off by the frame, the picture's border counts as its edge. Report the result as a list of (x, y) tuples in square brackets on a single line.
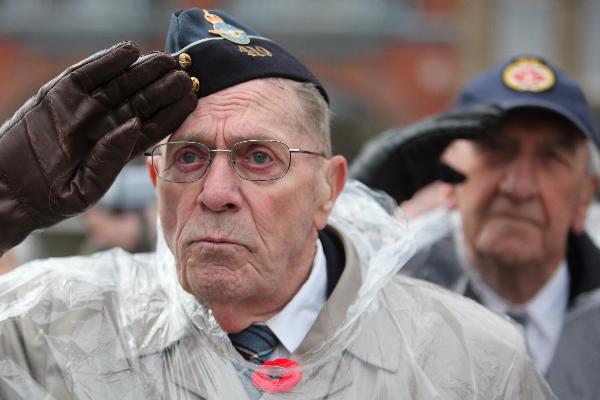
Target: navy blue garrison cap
[(219, 52), (529, 81)]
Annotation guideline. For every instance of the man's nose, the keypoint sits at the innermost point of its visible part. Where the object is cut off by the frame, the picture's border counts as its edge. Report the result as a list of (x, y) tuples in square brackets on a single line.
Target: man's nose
[(220, 186), (520, 178)]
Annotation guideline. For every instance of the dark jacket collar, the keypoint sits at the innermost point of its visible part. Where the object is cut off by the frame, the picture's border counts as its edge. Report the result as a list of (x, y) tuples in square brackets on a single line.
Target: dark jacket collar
[(583, 259), (334, 255)]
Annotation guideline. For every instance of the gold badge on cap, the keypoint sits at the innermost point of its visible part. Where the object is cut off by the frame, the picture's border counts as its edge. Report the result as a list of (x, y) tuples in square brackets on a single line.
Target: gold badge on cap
[(226, 31), (528, 74)]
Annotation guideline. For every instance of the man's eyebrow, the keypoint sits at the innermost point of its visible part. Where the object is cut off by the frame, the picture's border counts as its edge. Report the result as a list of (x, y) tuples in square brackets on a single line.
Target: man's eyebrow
[(234, 138), (567, 142)]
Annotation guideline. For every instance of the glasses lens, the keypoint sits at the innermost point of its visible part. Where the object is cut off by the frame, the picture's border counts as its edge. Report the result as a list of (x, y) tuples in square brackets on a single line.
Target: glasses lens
[(261, 160), (182, 161)]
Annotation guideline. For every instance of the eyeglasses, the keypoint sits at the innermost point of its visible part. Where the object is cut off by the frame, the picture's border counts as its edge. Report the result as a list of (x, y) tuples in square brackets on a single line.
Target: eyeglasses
[(253, 160)]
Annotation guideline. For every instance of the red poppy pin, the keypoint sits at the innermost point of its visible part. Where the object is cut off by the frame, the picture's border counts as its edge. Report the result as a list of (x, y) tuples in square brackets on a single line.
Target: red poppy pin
[(278, 375)]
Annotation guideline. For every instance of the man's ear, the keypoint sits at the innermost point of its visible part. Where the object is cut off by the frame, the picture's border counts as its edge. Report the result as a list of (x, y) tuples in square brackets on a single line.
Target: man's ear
[(578, 224), (151, 171), (336, 172)]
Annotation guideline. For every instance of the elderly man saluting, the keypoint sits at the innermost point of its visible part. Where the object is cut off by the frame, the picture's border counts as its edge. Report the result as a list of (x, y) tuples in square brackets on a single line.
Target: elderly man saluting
[(269, 281), (527, 144)]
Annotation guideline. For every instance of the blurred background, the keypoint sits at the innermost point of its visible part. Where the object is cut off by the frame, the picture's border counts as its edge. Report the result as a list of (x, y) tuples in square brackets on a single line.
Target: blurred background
[(384, 63)]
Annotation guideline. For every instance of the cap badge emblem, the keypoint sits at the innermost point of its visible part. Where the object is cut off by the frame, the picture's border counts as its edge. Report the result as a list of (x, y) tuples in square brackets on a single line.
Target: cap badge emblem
[(226, 31), (528, 75)]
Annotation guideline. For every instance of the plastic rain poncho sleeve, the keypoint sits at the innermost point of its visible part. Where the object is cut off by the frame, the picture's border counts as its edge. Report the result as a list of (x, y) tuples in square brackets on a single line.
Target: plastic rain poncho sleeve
[(119, 326)]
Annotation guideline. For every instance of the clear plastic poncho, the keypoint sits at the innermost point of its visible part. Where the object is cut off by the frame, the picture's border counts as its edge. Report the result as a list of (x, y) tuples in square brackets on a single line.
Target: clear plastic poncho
[(116, 325)]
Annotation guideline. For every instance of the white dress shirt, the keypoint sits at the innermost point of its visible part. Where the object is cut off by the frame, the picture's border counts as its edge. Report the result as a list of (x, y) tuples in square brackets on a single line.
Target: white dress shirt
[(292, 323), (545, 314)]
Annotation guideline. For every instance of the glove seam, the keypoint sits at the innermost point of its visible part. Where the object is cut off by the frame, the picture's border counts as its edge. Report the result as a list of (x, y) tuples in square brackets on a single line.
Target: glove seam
[(59, 134)]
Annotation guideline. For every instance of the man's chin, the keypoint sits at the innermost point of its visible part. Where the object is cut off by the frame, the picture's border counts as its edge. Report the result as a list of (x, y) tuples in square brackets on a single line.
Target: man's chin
[(511, 253), (219, 285), (513, 249), (514, 261)]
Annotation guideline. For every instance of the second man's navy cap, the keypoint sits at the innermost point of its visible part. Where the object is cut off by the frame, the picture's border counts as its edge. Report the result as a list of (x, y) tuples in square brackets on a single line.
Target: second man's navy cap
[(529, 81), (218, 52)]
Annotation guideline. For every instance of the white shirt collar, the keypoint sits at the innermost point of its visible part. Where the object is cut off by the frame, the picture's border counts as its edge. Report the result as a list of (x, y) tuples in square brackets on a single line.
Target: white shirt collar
[(549, 305), (292, 323), (545, 311)]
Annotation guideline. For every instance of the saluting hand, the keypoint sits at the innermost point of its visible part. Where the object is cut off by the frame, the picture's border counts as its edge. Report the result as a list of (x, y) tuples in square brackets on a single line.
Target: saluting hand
[(61, 151)]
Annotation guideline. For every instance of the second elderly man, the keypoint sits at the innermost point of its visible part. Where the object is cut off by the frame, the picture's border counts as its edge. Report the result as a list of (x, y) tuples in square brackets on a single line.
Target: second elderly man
[(517, 243)]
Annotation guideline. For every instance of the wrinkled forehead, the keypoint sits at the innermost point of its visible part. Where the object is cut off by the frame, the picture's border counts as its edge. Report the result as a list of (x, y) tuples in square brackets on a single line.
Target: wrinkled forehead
[(258, 109)]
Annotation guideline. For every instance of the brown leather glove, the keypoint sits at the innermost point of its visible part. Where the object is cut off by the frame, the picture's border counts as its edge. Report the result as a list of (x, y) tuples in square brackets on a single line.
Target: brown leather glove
[(61, 151)]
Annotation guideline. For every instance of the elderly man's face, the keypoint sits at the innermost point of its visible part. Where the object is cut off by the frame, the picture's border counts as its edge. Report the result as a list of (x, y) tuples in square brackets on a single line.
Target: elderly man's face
[(526, 186), (246, 242)]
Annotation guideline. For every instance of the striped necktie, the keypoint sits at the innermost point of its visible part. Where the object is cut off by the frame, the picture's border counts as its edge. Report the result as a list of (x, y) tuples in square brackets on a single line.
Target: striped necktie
[(255, 343), (519, 317)]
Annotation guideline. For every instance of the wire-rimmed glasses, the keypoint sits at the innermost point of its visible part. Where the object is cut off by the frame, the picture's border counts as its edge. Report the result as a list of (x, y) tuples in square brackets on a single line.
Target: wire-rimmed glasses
[(253, 160)]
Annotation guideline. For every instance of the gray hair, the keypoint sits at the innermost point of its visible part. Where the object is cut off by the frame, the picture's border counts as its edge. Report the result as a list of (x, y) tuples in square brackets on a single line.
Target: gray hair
[(593, 158), (316, 116)]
